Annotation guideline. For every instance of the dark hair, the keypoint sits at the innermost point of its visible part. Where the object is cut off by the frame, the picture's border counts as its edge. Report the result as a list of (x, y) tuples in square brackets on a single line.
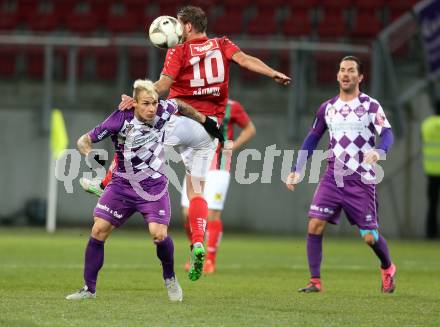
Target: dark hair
[(194, 15), (359, 64)]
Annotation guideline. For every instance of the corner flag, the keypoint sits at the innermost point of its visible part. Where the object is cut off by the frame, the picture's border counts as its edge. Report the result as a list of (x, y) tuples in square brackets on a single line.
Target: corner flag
[(58, 143), (58, 134)]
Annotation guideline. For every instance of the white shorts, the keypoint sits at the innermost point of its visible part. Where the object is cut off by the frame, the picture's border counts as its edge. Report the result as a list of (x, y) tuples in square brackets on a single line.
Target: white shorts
[(195, 145), (216, 188)]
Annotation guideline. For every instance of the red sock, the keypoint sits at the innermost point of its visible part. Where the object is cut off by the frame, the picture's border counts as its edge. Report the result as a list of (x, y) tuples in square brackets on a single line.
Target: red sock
[(109, 175), (107, 178), (197, 215), (187, 227), (214, 236)]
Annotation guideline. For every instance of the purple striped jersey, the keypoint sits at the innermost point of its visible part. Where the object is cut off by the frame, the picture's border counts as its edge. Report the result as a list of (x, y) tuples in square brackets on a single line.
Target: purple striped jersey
[(138, 145)]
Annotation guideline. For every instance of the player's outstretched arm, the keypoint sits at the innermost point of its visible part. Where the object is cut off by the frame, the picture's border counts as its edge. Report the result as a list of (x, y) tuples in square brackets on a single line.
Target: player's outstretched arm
[(258, 66), (248, 132), (163, 85), (84, 145), (209, 124)]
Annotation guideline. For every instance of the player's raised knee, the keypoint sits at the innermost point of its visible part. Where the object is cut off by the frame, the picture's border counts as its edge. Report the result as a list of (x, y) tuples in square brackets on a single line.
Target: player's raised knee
[(370, 236), (101, 229), (159, 236)]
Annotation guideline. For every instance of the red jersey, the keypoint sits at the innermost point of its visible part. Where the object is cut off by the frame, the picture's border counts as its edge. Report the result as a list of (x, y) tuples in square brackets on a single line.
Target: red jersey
[(200, 70), (234, 115)]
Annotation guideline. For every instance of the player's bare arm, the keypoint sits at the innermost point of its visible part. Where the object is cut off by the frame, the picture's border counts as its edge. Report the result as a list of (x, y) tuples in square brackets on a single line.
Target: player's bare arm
[(84, 144), (163, 85), (248, 132), (258, 66), (189, 111), (292, 180)]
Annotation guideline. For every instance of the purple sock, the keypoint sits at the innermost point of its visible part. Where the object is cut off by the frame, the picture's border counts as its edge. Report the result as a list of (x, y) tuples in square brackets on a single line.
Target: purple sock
[(314, 254), (93, 261), (165, 253), (381, 249)]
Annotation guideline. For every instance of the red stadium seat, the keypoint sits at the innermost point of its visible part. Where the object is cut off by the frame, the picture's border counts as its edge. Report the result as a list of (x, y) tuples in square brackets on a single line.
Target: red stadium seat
[(82, 23), (9, 20), (168, 9), (35, 62), (138, 62), (64, 8), (395, 14), (123, 23), (233, 5), (326, 67), (106, 64), (270, 3), (297, 24), (303, 4), (228, 24), (8, 61), (44, 22), (369, 4), (27, 8), (263, 24), (401, 5), (333, 25), (367, 25), (332, 4)]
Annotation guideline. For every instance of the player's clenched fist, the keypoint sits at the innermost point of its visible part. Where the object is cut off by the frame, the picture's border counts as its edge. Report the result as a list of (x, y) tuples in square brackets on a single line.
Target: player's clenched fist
[(280, 78), (292, 180), (371, 157)]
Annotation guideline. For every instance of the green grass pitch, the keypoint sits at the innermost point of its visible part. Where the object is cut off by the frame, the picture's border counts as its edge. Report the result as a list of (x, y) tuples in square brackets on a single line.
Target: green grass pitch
[(255, 285)]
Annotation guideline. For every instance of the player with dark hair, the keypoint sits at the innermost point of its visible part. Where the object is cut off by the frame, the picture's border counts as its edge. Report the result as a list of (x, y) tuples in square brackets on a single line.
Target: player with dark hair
[(197, 71), (352, 118), (138, 184)]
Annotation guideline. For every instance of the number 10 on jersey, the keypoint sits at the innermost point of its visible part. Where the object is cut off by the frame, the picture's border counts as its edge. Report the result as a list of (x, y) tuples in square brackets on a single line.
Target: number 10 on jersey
[(199, 80)]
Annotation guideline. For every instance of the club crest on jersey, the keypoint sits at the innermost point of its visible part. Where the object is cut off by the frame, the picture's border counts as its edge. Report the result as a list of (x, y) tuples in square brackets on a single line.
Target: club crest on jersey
[(128, 128), (360, 111), (200, 49), (345, 110)]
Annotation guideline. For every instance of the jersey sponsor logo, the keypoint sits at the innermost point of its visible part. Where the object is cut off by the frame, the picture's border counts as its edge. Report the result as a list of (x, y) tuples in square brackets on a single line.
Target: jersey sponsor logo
[(114, 213), (345, 110), (215, 91), (128, 128), (102, 134), (360, 111), (161, 212), (322, 210), (200, 49), (346, 126)]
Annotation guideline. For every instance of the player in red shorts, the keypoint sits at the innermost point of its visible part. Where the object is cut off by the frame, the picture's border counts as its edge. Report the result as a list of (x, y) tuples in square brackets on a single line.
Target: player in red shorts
[(217, 180), (197, 72)]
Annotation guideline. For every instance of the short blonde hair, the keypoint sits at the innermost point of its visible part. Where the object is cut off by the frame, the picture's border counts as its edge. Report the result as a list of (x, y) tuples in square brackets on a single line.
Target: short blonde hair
[(144, 85)]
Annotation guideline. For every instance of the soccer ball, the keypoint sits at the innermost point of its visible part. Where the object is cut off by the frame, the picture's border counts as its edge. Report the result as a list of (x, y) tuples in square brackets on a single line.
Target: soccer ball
[(165, 32)]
